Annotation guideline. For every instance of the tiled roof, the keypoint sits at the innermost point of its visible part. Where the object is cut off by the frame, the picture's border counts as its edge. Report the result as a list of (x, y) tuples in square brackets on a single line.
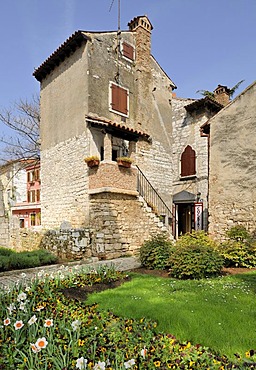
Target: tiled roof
[(104, 122), (63, 51), (204, 102)]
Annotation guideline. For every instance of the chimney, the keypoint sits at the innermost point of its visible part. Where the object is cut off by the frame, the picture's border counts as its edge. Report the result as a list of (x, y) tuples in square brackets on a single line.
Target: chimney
[(142, 26), (222, 94)]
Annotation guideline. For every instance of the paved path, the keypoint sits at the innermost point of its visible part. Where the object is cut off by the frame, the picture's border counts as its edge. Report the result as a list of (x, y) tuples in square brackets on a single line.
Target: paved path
[(10, 278)]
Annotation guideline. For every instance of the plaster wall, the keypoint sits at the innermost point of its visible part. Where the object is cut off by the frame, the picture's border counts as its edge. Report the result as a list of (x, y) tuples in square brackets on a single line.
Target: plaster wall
[(65, 142), (232, 191)]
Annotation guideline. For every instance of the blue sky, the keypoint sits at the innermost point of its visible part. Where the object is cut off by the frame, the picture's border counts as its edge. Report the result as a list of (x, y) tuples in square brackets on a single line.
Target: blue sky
[(199, 43)]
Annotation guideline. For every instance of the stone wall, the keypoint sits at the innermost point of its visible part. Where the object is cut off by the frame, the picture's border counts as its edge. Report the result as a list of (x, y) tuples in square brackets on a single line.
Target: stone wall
[(4, 222), (186, 131), (120, 223), (232, 185), (72, 244), (64, 184)]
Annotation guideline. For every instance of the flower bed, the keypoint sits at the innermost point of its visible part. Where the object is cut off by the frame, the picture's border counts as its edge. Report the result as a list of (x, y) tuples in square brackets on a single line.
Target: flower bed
[(44, 329)]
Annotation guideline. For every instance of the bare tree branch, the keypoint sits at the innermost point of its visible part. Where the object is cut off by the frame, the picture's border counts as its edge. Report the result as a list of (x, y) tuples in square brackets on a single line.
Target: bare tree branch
[(23, 121)]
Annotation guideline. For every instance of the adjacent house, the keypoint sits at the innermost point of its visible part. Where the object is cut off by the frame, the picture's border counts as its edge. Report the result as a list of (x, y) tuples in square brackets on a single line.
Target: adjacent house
[(19, 199), (232, 166), (28, 209)]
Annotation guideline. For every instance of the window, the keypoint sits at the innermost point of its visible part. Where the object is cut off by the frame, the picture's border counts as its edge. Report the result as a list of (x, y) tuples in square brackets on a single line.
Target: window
[(31, 196), (127, 50), (188, 162), (32, 219), (119, 99)]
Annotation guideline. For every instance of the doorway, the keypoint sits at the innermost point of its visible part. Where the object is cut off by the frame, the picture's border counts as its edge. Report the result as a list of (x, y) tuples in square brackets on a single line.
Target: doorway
[(185, 216)]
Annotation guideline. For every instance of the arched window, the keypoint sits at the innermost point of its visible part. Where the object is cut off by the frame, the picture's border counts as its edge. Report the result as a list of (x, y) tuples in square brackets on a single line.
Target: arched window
[(188, 162)]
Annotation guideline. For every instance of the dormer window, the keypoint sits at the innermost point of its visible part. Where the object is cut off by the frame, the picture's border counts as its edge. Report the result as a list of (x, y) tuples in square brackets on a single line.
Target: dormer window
[(128, 51), (188, 162), (118, 99)]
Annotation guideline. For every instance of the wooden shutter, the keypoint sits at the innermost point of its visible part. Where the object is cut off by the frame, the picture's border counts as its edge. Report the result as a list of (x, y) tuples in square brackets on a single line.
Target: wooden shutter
[(188, 162), (119, 101), (128, 51), (38, 195)]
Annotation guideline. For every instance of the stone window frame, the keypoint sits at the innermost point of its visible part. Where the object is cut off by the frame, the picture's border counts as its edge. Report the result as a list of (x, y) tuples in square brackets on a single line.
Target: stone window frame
[(119, 108)]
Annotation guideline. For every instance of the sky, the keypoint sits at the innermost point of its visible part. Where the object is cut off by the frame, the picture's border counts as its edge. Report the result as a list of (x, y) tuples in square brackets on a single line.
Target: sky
[(198, 43)]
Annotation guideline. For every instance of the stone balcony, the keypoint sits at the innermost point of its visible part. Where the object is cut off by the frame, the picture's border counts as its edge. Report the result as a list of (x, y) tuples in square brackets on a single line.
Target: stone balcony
[(110, 177)]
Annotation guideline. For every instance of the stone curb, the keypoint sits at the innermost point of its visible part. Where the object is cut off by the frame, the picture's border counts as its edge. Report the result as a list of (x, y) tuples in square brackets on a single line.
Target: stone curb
[(9, 278)]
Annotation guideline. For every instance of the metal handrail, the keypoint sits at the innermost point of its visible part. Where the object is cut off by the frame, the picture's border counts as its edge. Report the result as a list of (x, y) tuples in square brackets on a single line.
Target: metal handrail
[(153, 199)]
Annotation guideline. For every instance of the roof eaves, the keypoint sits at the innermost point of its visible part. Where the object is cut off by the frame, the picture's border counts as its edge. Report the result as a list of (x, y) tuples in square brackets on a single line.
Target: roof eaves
[(203, 102), (102, 121), (58, 56)]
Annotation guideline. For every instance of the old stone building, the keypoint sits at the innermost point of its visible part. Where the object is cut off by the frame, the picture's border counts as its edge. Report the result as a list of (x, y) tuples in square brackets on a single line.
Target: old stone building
[(103, 94), (232, 190)]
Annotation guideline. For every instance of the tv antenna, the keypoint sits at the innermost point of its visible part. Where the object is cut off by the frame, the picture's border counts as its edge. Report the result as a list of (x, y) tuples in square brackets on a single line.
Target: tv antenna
[(117, 77)]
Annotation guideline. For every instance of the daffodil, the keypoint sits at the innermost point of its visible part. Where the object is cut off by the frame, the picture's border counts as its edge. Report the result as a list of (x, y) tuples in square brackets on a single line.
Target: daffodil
[(48, 323), (128, 364), (18, 325), (41, 343), (32, 320), (81, 363), (7, 321)]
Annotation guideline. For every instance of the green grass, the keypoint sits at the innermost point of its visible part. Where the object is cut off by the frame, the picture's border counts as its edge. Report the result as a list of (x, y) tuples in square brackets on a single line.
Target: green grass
[(218, 313)]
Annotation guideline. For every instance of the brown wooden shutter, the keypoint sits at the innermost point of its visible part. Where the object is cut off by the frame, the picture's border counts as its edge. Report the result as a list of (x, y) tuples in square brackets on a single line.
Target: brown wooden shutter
[(28, 196), (119, 101), (188, 162), (128, 51), (38, 195)]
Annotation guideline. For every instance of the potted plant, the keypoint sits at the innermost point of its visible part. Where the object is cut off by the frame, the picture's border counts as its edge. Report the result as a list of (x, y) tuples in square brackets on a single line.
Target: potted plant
[(92, 161), (124, 161)]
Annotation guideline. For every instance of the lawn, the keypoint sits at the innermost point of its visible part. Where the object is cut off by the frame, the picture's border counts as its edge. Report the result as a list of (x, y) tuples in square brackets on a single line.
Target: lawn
[(219, 313), (132, 326)]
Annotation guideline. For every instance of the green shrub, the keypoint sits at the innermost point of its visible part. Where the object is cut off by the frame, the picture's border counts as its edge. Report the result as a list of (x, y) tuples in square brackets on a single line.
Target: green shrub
[(238, 254), (239, 233), (195, 257), (4, 263), (6, 251), (240, 249), (155, 253), (45, 257), (24, 260)]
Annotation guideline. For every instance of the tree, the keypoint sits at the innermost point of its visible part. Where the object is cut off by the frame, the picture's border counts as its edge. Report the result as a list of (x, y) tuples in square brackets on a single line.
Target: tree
[(23, 121), (210, 94)]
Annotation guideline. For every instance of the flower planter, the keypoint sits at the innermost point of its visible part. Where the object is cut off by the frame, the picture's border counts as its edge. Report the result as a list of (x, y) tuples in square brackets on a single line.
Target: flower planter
[(93, 163), (124, 164)]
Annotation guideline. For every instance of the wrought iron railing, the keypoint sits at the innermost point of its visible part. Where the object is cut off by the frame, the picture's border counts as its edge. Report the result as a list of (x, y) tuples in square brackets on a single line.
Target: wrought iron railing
[(153, 199)]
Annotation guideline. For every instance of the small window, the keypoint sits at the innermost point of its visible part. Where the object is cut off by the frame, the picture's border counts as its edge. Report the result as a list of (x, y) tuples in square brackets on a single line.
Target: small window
[(32, 219), (188, 162), (119, 99), (127, 50)]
